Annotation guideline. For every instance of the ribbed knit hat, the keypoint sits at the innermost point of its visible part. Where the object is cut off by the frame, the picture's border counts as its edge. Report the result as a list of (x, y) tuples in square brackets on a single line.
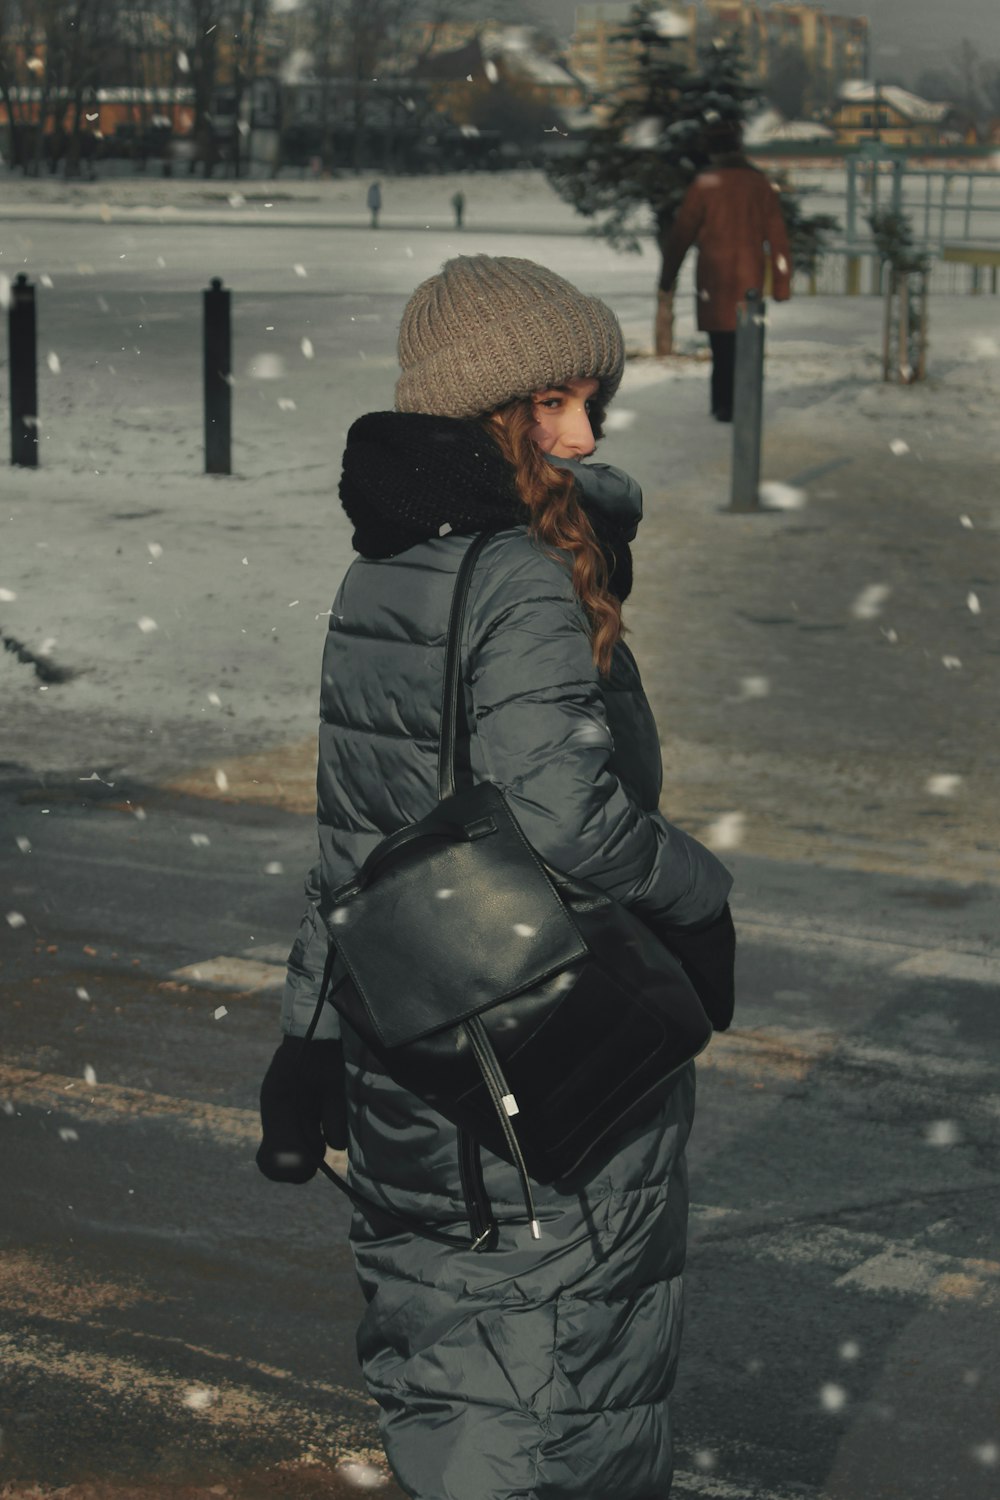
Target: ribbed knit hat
[(488, 329)]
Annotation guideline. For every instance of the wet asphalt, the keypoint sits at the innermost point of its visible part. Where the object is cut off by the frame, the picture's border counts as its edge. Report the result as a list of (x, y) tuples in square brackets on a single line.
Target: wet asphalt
[(171, 1324)]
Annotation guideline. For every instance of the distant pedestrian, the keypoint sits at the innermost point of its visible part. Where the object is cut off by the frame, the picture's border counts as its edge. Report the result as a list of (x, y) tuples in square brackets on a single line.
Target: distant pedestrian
[(458, 204), (375, 202), (731, 212)]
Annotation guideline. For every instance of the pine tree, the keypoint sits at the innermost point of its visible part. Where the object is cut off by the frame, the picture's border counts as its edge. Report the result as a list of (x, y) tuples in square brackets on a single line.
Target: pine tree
[(653, 142)]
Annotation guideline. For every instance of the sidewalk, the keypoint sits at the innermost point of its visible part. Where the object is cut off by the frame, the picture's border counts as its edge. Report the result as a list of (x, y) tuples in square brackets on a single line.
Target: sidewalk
[(820, 674), (495, 203)]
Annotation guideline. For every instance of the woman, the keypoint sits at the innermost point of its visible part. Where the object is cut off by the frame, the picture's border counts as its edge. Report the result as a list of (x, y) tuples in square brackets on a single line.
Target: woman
[(532, 1370)]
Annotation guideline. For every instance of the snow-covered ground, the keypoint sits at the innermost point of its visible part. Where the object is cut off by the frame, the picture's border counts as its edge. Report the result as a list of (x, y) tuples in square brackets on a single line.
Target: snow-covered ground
[(813, 669)]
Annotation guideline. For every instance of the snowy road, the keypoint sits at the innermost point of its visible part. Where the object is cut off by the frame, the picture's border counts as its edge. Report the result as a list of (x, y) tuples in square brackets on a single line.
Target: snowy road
[(171, 1317)]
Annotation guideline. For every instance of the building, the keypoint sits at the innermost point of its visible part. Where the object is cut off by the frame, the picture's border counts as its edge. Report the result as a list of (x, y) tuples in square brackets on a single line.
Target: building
[(604, 61), (871, 111), (834, 47)]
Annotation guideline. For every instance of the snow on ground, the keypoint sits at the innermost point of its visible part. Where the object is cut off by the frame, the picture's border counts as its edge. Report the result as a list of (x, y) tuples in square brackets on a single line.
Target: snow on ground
[(191, 609)]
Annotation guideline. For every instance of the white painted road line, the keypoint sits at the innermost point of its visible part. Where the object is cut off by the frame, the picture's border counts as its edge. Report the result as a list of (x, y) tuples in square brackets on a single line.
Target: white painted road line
[(225, 973)]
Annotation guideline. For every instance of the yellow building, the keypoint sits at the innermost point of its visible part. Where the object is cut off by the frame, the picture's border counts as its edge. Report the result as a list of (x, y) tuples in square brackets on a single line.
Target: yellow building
[(869, 111), (837, 46), (605, 62)]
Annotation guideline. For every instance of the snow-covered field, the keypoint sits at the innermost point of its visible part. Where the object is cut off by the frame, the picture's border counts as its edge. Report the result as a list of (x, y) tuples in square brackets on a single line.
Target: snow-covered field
[(802, 663)]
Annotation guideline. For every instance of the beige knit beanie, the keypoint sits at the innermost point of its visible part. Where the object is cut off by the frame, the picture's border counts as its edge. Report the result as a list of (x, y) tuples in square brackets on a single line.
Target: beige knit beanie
[(488, 329)]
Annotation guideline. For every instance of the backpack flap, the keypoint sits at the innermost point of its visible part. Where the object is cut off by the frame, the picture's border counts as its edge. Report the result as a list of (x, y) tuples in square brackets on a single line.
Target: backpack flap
[(445, 918)]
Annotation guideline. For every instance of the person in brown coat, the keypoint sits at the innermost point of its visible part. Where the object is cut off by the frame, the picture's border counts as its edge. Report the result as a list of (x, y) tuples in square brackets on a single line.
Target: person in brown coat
[(731, 212)]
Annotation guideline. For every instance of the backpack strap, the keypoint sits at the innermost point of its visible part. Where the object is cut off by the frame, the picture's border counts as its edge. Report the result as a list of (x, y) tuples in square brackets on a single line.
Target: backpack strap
[(477, 1204)]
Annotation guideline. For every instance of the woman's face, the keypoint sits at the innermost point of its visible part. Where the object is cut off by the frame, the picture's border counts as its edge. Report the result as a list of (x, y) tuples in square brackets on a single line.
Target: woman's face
[(562, 419)]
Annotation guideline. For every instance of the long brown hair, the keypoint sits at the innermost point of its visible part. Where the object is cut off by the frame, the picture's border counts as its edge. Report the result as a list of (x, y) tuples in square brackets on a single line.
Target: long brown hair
[(558, 518)]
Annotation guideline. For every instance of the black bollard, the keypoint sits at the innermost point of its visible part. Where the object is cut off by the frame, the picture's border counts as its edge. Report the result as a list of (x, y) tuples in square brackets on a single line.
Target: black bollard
[(23, 374), (218, 391), (748, 403)]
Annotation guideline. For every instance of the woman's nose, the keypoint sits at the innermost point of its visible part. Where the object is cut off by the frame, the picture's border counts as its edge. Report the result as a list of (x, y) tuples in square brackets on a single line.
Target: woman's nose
[(579, 435)]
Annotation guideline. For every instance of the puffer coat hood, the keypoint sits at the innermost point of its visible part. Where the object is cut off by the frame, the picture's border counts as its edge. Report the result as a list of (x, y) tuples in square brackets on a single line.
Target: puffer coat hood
[(535, 1371)]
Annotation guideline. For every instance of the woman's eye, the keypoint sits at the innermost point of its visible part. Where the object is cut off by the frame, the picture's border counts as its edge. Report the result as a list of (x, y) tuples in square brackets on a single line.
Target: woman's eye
[(551, 403)]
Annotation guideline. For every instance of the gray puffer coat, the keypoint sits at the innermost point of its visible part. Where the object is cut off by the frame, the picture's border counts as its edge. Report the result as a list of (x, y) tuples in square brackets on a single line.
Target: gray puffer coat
[(539, 1371)]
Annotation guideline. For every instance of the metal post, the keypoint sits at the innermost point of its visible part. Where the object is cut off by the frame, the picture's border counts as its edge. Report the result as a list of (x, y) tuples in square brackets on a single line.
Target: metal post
[(218, 369), (945, 185), (905, 372), (852, 199), (890, 292), (748, 403), (967, 232), (924, 313), (23, 374)]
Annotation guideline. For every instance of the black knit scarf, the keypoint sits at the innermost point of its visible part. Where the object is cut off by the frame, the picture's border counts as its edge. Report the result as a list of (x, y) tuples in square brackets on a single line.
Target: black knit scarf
[(408, 477)]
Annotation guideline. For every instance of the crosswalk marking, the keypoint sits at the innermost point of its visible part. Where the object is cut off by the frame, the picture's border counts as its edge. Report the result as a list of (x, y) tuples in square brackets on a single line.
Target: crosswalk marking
[(225, 973)]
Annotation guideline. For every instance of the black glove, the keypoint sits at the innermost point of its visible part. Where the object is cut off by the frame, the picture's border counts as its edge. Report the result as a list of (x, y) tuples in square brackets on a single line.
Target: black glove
[(708, 955), (302, 1109)]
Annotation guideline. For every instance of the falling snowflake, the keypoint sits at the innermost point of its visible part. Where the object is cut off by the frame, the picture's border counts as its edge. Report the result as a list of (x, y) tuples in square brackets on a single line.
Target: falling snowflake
[(444, 894), (82, 994), (868, 604), (68, 1134), (89, 1075), (219, 1012), (15, 919), (705, 1460), (197, 1397), (444, 529), (943, 785), (245, 561), (222, 781), (362, 1475), (524, 929), (4, 291), (146, 625), (200, 840), (267, 367), (952, 663), (285, 403), (338, 916), (183, 63), (726, 832), (966, 522), (890, 635), (215, 700), (24, 844), (619, 420), (46, 280), (774, 495), (973, 603), (7, 596), (300, 270), (154, 549), (47, 646), (986, 1454), (850, 1349), (755, 687), (943, 1133), (307, 348), (832, 1397), (274, 867), (899, 447), (53, 361), (236, 200)]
